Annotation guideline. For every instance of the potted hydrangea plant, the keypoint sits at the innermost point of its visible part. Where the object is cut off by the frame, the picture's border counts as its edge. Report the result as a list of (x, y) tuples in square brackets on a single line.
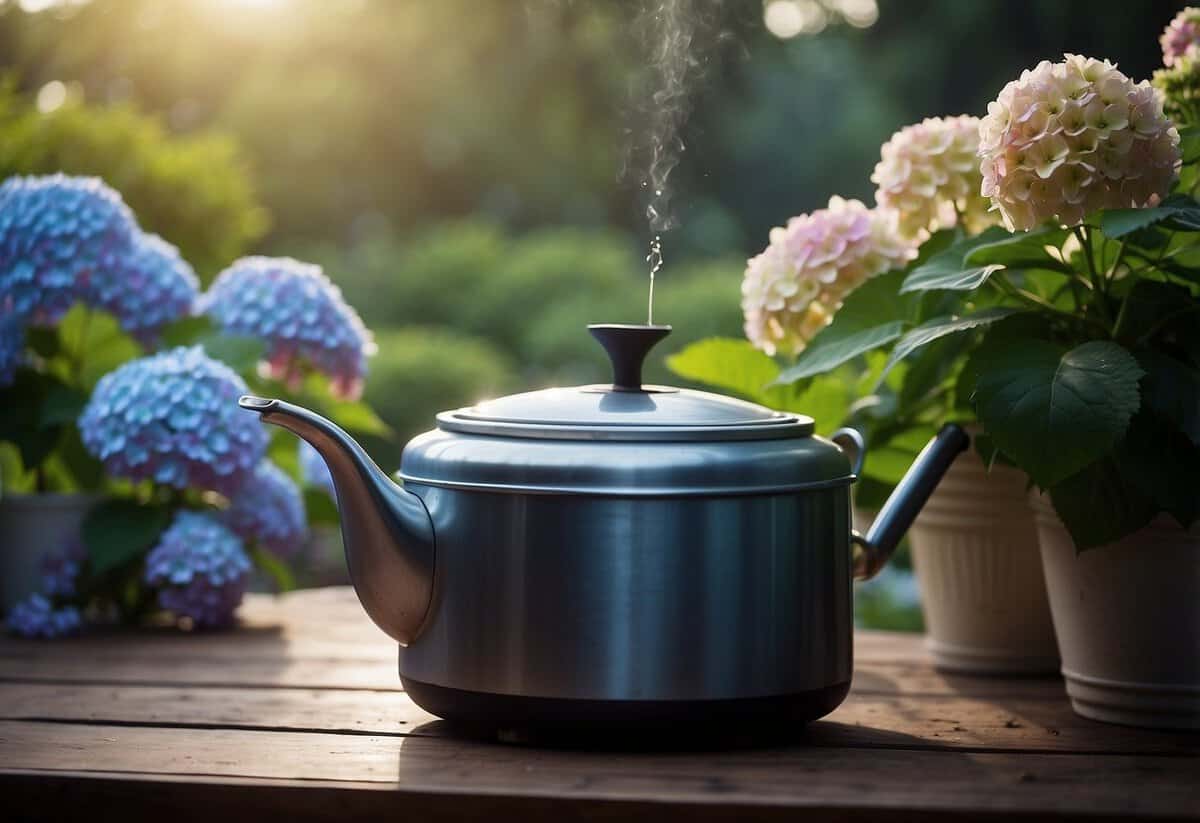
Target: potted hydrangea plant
[(1093, 389), (1077, 354), (1068, 335), (136, 375)]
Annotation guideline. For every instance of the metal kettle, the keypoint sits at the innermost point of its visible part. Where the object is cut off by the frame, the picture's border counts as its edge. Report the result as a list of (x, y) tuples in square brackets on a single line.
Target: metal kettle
[(613, 545)]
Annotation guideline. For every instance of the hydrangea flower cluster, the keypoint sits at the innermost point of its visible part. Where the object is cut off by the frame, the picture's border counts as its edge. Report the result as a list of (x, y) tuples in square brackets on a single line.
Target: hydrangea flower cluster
[(1181, 39), (35, 616), (791, 289), (61, 569), (200, 570), (145, 289), (1069, 138), (269, 510), (299, 313), (313, 468), (55, 232), (929, 174), (173, 418)]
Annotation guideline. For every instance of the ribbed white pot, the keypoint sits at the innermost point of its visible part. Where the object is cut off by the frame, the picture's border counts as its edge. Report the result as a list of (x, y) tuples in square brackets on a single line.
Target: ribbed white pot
[(1128, 621), (32, 526), (975, 551)]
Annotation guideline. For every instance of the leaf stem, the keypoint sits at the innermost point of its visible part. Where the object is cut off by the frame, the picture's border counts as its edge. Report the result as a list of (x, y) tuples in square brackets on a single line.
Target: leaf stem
[(1101, 293)]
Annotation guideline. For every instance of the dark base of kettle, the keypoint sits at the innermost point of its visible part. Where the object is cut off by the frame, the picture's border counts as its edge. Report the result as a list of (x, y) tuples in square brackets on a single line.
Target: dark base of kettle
[(654, 724)]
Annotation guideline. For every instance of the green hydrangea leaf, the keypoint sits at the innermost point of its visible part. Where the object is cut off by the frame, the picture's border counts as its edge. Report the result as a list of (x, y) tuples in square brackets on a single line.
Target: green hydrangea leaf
[(1052, 410), (947, 269), (941, 327), (61, 406), (728, 364), (1177, 211), (1099, 505), (871, 316), (186, 331), (1171, 390), (116, 532), (825, 354), (95, 342), (1021, 250), (1163, 465)]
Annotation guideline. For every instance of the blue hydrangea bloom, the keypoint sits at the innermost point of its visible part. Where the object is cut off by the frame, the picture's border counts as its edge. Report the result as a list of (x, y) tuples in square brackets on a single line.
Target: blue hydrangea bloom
[(173, 418), (146, 289), (301, 316), (55, 233), (200, 570), (12, 344), (269, 510), (35, 616), (314, 470), (61, 569)]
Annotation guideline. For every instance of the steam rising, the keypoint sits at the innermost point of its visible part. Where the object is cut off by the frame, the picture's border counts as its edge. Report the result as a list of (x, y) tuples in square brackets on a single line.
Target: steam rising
[(672, 31)]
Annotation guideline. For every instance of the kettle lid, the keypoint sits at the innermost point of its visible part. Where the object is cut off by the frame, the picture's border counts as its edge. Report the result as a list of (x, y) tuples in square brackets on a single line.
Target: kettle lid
[(625, 409)]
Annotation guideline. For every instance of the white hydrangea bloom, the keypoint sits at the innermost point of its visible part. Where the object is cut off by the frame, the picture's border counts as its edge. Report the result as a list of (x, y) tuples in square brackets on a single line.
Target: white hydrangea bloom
[(791, 290), (1072, 137), (929, 175)]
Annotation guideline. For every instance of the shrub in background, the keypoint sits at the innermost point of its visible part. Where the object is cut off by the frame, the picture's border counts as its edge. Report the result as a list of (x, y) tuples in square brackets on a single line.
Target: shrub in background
[(420, 371), (195, 191)]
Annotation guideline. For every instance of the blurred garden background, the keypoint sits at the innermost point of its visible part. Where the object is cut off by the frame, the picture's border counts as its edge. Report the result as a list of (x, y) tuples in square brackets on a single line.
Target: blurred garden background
[(462, 168)]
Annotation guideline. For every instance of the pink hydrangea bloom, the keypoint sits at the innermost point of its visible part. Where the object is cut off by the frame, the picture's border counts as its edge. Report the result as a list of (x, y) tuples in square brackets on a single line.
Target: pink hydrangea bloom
[(791, 290), (929, 174), (1072, 137), (1181, 38)]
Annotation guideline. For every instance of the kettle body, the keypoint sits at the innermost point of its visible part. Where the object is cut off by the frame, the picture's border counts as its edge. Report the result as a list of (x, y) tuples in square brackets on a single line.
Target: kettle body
[(616, 556)]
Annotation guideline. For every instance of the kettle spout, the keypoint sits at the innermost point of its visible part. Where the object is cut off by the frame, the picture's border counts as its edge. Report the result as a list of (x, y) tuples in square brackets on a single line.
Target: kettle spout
[(387, 531)]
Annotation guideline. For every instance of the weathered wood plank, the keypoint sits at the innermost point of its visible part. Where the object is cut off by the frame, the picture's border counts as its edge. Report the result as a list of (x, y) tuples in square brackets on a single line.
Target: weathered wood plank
[(953, 723), (206, 669), (325, 624), (854, 780)]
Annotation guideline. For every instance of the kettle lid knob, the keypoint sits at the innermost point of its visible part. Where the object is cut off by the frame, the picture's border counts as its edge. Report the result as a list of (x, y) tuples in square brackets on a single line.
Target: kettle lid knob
[(627, 346)]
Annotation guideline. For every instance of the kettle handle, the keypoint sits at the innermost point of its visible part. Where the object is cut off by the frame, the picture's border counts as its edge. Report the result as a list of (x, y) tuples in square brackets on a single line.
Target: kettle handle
[(871, 552), (853, 445)]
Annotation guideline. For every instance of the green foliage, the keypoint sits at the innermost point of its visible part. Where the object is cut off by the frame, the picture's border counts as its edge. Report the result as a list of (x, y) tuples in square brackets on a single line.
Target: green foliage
[(531, 296), (1052, 409), (1179, 212), (730, 365), (870, 317), (117, 532), (1019, 250), (736, 367), (945, 270), (939, 327), (194, 191)]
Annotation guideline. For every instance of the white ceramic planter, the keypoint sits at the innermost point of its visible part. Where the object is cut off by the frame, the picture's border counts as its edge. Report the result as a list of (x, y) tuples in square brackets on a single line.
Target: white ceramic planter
[(1128, 622), (32, 526), (975, 551)]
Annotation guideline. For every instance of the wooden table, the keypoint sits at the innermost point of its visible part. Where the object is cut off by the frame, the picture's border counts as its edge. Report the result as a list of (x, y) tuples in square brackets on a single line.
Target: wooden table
[(299, 715)]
